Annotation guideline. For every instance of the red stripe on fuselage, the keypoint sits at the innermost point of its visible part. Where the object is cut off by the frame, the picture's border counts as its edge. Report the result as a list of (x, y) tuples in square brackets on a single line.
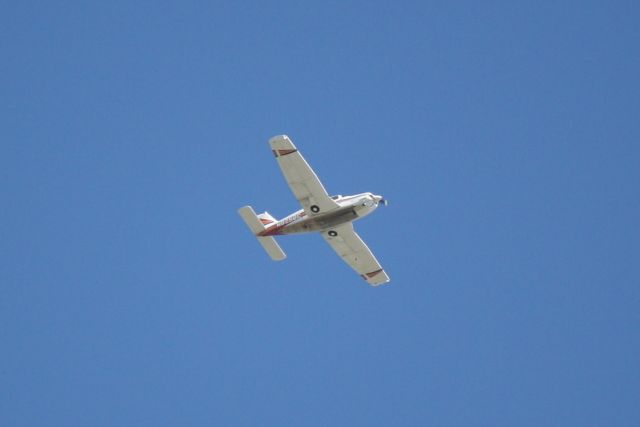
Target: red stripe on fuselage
[(277, 227), (272, 231)]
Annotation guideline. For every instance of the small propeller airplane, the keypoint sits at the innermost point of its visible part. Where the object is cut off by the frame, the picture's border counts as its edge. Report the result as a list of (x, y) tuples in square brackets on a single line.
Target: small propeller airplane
[(330, 216)]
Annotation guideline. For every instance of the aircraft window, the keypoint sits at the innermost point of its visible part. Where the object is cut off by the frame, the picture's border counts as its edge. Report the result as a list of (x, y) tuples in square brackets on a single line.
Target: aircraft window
[(337, 196)]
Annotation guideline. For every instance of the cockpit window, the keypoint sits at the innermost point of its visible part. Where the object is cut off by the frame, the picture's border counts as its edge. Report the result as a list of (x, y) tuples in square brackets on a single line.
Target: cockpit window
[(337, 196)]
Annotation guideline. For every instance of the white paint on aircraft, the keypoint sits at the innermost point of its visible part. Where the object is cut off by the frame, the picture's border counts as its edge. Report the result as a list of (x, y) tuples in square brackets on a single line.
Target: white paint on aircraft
[(332, 217)]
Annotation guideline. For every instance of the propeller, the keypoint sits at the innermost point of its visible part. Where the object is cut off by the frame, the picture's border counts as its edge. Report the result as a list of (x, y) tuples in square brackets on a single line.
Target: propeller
[(381, 200), (377, 200)]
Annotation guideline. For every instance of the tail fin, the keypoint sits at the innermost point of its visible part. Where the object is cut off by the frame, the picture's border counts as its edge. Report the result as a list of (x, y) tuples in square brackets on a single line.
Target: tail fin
[(257, 224), (266, 219)]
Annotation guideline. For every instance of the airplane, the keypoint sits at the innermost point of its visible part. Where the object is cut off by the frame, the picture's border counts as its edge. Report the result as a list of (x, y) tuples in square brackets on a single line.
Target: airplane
[(331, 216)]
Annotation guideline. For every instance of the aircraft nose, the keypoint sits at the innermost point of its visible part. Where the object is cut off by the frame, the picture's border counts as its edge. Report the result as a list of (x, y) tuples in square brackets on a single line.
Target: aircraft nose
[(380, 199)]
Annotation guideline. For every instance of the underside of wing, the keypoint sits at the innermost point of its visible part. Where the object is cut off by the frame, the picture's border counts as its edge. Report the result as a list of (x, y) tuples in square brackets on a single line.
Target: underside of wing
[(346, 242), (301, 178)]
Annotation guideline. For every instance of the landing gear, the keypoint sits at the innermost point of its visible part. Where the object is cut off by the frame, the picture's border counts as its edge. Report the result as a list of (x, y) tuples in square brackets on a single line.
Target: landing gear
[(315, 208), (332, 233)]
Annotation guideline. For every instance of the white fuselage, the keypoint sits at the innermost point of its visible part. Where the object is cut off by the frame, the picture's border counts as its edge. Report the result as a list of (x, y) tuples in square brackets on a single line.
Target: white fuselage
[(351, 208)]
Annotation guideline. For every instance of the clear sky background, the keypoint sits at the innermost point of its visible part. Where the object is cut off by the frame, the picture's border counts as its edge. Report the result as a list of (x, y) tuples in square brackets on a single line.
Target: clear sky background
[(505, 135)]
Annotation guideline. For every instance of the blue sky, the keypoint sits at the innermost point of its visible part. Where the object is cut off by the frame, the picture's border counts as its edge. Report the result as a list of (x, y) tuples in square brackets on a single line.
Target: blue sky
[(504, 134)]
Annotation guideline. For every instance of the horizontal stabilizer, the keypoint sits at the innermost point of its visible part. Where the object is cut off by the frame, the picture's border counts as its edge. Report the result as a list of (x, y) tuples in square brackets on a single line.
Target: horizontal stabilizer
[(273, 249), (249, 215), (268, 242)]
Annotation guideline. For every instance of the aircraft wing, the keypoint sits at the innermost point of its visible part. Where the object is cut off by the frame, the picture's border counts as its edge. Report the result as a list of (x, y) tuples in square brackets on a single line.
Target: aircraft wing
[(303, 181), (355, 252)]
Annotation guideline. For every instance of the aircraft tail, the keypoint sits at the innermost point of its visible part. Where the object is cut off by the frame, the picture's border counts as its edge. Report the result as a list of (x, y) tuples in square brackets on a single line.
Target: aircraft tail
[(266, 219), (257, 224)]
